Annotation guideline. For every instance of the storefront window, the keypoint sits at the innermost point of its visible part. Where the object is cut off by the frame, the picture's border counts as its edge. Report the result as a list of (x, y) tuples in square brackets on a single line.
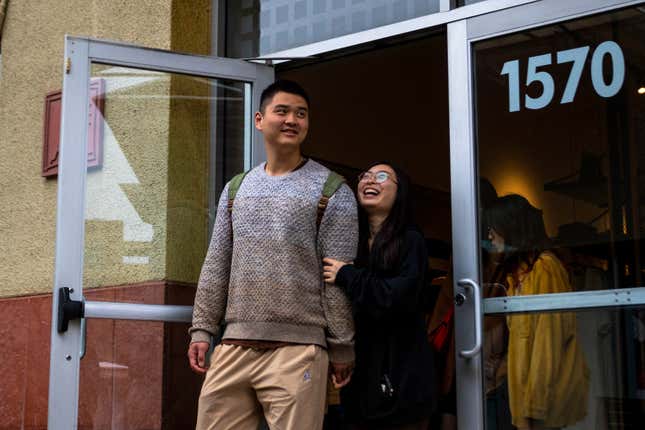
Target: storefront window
[(560, 139), (260, 27), (561, 123)]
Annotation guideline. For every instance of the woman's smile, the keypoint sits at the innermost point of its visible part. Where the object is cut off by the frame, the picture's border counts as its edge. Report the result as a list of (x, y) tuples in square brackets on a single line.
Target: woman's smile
[(371, 192)]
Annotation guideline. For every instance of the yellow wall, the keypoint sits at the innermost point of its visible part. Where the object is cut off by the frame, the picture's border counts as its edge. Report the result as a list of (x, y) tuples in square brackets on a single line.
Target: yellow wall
[(32, 58)]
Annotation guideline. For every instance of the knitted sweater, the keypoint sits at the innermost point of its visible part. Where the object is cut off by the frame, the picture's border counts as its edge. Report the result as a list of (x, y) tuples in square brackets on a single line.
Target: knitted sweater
[(264, 279)]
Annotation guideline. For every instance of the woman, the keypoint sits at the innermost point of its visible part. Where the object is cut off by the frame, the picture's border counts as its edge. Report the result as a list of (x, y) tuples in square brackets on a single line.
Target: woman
[(393, 384), (548, 379)]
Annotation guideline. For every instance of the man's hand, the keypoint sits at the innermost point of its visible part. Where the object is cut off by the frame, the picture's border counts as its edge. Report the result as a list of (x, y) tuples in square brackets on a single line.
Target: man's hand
[(341, 373), (197, 356)]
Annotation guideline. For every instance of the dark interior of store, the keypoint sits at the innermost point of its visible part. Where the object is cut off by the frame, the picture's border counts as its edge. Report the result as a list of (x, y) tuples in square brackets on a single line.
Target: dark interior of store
[(579, 161), (387, 104)]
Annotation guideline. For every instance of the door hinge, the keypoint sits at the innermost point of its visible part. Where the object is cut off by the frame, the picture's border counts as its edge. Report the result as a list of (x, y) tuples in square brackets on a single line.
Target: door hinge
[(68, 65), (68, 309)]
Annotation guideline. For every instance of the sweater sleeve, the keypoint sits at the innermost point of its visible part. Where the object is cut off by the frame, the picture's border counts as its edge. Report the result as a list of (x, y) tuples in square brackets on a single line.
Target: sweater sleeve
[(338, 239), (379, 297), (212, 288)]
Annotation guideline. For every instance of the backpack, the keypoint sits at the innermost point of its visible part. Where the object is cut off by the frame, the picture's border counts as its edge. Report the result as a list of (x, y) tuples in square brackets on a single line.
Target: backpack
[(332, 184)]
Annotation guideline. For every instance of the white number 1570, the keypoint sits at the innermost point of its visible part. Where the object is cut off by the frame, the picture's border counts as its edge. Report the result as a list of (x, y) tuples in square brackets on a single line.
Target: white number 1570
[(578, 57)]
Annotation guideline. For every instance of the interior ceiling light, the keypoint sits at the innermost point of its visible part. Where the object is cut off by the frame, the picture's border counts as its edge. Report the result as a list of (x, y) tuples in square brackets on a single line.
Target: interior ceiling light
[(641, 90)]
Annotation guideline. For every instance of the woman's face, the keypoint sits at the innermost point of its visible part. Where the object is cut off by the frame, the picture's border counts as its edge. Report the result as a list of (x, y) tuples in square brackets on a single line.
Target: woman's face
[(496, 240), (376, 191)]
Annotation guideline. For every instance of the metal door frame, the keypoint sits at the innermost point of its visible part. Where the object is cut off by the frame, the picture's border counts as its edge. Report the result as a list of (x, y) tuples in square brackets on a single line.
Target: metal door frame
[(80, 54), (464, 170)]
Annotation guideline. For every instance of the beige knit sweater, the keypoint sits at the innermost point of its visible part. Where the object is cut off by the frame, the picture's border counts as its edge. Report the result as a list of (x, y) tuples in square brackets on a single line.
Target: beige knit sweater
[(264, 279)]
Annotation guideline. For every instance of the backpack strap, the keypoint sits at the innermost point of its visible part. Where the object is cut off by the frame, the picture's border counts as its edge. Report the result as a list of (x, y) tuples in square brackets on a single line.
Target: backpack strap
[(332, 184), (233, 188)]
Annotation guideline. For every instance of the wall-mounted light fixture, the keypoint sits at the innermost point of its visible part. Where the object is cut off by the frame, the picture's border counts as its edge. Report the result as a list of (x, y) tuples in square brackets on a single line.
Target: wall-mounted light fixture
[(641, 90)]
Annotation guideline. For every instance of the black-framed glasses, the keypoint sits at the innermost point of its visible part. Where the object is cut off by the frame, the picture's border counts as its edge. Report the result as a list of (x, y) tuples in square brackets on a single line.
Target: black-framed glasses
[(378, 177)]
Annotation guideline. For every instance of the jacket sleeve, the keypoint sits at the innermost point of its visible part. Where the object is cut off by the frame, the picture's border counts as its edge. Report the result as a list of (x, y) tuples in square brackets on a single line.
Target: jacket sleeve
[(338, 239), (377, 296), (212, 288), (550, 333)]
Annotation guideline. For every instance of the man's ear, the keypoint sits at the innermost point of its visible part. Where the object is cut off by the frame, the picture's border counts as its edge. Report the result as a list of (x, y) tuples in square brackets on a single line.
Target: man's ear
[(258, 120)]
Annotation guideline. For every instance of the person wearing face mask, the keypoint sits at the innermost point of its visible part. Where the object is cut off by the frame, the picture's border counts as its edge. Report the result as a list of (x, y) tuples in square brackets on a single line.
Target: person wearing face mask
[(393, 385), (548, 378)]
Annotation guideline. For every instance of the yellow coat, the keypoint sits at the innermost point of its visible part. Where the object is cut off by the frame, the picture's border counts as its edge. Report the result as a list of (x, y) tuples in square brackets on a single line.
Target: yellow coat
[(548, 377)]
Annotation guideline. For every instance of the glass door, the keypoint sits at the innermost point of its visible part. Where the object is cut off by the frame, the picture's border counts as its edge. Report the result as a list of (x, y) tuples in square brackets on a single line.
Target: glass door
[(548, 187), (149, 138)]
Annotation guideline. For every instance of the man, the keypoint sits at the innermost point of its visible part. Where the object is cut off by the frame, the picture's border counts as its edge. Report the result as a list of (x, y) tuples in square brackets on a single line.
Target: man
[(263, 277)]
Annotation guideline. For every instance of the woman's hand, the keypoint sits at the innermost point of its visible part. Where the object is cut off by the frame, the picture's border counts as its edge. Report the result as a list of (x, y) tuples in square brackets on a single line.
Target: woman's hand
[(341, 374), (330, 269)]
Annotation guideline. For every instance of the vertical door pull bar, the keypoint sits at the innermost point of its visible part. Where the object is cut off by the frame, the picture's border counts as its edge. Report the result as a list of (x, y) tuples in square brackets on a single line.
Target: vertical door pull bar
[(471, 285)]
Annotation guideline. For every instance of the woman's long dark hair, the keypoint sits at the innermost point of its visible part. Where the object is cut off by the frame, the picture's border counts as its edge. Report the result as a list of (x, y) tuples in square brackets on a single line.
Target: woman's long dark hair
[(388, 242), (522, 227)]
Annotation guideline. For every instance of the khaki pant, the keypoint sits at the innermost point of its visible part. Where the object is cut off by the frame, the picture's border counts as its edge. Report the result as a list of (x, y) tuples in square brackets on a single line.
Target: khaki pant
[(287, 384)]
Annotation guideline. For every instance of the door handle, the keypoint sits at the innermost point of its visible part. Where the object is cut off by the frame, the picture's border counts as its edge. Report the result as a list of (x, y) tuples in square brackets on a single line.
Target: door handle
[(475, 291), (68, 309)]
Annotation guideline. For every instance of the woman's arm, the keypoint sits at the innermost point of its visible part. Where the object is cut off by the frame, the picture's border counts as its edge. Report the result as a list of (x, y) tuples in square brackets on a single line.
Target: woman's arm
[(380, 296)]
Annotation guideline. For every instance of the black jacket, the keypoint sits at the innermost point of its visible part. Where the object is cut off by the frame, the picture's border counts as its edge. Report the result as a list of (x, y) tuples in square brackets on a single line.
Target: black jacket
[(394, 381)]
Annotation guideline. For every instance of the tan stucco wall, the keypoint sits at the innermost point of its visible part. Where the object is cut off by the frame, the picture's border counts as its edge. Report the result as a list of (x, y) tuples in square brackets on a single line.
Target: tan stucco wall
[(32, 57), (188, 152), (3, 8)]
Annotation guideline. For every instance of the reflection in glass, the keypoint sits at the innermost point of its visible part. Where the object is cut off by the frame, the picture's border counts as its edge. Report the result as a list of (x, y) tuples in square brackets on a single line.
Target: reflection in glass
[(582, 371), (126, 374), (560, 123), (467, 2), (260, 27), (561, 139), (168, 143)]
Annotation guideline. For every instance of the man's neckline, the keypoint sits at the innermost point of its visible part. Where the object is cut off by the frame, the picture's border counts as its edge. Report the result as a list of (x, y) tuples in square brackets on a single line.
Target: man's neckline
[(300, 165)]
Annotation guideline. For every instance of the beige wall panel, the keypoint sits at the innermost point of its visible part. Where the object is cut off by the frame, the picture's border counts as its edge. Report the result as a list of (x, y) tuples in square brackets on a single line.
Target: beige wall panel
[(32, 56)]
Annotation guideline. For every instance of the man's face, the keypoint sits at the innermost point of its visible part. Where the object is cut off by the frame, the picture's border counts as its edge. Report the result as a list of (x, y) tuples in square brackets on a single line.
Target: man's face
[(285, 120)]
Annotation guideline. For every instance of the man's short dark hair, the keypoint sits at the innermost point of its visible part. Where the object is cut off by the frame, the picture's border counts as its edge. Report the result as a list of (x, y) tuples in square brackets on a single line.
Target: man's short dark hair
[(284, 86)]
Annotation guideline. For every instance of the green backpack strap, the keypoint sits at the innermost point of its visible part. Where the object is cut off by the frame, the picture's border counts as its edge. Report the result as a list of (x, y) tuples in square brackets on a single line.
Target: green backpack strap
[(233, 188), (332, 184)]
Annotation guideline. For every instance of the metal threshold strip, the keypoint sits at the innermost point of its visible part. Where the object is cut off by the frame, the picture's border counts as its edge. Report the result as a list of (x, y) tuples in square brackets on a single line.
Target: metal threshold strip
[(566, 301)]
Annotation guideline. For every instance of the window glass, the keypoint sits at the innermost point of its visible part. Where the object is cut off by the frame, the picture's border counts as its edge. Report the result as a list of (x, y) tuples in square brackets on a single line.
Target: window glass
[(574, 370), (259, 27), (561, 147)]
